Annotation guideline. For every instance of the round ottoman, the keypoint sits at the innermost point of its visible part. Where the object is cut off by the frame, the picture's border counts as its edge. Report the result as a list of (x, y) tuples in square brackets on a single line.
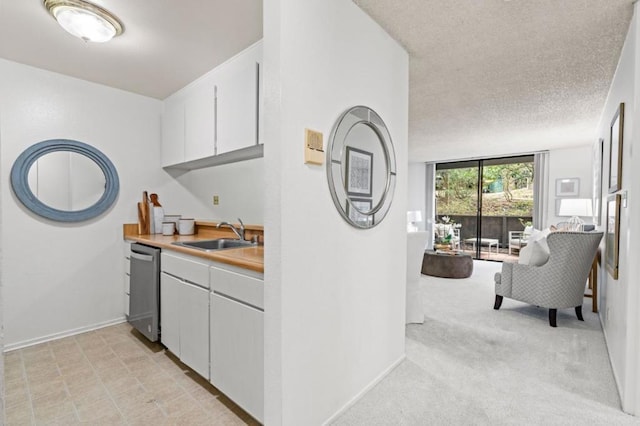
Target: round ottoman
[(447, 265)]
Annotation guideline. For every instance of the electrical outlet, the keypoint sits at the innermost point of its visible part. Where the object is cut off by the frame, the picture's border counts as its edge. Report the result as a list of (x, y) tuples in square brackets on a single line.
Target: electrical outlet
[(216, 200)]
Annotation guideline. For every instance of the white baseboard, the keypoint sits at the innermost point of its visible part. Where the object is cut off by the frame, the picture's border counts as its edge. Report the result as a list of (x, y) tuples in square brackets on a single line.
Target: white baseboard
[(613, 367), (56, 336), (366, 389)]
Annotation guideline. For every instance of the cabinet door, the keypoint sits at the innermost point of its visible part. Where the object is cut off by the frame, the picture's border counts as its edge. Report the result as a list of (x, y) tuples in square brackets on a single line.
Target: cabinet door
[(194, 328), (127, 276), (170, 312), (200, 121), (127, 285), (237, 349), (173, 131), (237, 106)]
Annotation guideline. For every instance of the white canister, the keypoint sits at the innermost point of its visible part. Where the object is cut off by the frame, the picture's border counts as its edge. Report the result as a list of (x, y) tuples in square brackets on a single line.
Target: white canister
[(168, 228), (158, 218), (186, 226), (172, 218)]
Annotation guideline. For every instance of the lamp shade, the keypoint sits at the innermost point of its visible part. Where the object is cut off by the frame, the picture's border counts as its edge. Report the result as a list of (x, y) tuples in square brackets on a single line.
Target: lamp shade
[(580, 207), (414, 216)]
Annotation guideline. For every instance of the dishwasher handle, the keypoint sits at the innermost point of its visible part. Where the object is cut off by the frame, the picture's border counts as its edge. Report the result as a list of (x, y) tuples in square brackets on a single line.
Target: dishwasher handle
[(143, 257)]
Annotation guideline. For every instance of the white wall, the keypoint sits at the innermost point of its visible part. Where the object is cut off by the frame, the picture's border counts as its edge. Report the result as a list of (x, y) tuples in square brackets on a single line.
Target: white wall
[(417, 191), (2, 401), (569, 163), (239, 186), (620, 298), (58, 278), (334, 295)]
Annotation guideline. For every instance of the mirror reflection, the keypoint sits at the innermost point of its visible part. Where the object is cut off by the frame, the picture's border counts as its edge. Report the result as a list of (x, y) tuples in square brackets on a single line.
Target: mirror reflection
[(364, 167), (361, 167), (66, 180)]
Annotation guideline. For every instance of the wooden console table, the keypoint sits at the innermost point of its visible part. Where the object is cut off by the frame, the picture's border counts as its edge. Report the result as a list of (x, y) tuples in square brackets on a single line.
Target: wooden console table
[(593, 282)]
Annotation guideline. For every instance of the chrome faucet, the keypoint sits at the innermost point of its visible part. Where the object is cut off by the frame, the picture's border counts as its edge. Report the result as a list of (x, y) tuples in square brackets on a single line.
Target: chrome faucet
[(239, 233)]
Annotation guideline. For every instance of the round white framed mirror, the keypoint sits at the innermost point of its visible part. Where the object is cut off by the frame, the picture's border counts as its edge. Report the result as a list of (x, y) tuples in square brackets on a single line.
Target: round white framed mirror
[(361, 167)]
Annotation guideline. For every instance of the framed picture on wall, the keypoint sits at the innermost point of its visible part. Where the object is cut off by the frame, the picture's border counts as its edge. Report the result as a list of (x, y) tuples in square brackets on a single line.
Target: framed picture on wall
[(597, 156), (612, 235), (360, 205), (567, 187), (615, 150), (358, 172)]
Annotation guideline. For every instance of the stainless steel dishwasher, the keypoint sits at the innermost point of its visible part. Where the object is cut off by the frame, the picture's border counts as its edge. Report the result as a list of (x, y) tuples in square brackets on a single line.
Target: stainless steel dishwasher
[(144, 292)]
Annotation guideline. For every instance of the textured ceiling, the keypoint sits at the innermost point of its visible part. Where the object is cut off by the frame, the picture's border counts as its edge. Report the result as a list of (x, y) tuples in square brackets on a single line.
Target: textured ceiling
[(166, 43), (491, 77), (487, 77)]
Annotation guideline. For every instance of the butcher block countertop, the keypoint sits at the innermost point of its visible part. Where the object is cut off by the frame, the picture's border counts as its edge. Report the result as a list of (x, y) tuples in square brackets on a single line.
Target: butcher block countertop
[(251, 258)]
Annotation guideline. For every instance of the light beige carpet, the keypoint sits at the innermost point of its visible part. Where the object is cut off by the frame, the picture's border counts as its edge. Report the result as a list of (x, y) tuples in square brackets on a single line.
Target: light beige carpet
[(471, 365)]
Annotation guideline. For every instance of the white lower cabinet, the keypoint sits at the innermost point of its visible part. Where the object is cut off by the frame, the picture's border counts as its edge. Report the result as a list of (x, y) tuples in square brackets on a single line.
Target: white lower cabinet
[(127, 276), (184, 310), (211, 317), (170, 312), (237, 353), (237, 340), (194, 328)]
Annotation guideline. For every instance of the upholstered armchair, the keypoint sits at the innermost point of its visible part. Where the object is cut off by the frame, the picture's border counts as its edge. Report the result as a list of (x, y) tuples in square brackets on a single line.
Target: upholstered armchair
[(557, 284)]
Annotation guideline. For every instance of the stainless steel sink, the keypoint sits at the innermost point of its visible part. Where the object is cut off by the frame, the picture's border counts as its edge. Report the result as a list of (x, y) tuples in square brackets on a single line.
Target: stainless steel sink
[(218, 244)]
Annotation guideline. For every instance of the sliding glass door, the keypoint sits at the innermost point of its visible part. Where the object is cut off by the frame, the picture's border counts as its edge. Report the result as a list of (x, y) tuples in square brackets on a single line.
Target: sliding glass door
[(457, 204), (483, 206)]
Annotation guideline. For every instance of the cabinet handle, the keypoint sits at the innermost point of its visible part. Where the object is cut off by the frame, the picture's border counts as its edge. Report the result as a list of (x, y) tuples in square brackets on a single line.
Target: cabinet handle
[(215, 120), (257, 103)]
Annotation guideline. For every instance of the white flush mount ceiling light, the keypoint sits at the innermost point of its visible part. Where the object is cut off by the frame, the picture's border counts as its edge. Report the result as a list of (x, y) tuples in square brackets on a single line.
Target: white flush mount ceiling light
[(85, 20)]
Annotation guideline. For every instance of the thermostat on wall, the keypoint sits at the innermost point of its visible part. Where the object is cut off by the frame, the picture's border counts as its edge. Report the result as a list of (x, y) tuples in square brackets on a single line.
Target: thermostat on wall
[(313, 147)]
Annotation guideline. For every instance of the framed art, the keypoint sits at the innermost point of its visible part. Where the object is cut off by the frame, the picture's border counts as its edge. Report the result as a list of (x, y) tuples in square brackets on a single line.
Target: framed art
[(615, 150), (361, 205), (597, 156), (567, 187), (358, 172), (612, 235)]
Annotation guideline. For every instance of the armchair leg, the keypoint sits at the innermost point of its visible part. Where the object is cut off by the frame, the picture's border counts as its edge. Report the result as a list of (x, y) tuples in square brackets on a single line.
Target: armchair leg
[(552, 317), (579, 312), (498, 302)]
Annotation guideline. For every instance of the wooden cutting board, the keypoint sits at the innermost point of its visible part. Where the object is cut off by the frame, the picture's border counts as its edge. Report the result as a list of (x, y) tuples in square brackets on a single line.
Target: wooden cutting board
[(144, 224)]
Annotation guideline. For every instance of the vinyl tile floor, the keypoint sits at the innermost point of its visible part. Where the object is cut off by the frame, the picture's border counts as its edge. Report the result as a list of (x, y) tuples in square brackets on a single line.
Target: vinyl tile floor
[(110, 376)]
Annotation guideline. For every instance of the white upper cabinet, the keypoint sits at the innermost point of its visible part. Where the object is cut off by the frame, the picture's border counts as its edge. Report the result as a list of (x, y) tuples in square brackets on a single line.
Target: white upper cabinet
[(217, 114), (200, 119), (173, 130), (237, 101)]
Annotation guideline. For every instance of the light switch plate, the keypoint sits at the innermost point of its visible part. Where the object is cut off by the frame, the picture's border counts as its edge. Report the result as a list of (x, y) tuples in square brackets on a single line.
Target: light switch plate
[(313, 147)]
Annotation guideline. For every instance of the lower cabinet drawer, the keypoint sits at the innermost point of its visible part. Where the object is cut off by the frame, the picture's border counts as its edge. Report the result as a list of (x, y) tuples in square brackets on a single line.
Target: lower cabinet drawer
[(186, 267), (238, 286)]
